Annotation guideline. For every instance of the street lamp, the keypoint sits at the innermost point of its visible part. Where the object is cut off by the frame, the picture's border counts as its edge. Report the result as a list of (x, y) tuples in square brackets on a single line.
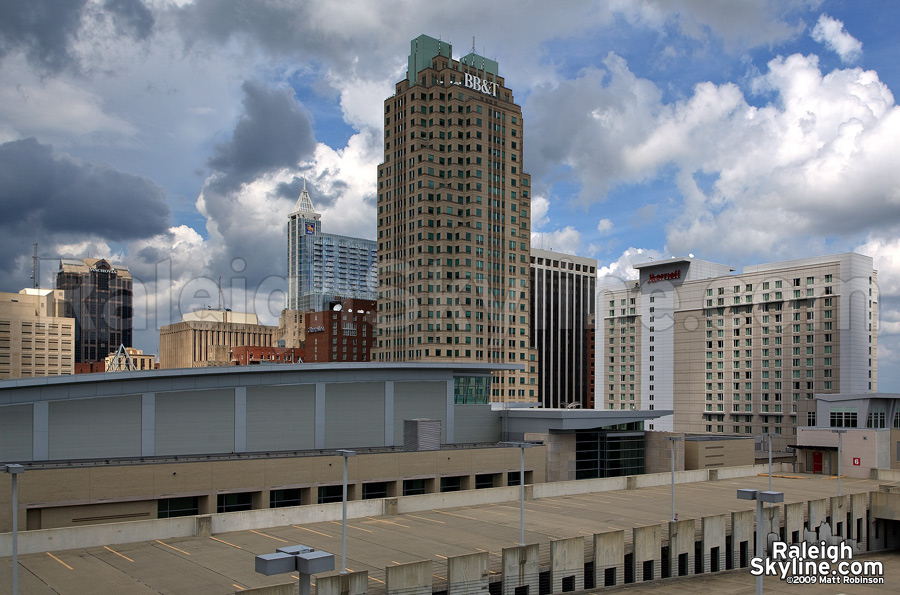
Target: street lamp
[(839, 433), (760, 497), (346, 454), (672, 440), (15, 470), (522, 446), (769, 436)]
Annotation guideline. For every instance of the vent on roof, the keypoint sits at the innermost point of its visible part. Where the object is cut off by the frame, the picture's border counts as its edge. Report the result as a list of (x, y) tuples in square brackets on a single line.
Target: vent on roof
[(421, 434)]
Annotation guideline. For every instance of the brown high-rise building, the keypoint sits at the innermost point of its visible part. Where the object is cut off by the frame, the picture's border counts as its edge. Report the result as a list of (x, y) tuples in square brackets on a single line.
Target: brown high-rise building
[(454, 220)]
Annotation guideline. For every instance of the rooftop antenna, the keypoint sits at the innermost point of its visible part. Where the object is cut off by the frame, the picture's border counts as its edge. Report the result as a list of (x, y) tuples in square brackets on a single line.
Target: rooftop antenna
[(473, 44), (35, 268)]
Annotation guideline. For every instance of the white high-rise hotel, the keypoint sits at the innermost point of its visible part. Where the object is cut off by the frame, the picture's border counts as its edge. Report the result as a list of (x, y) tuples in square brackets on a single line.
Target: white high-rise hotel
[(737, 354)]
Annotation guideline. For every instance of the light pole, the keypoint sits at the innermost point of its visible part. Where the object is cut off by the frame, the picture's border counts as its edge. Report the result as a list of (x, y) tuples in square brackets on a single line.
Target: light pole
[(760, 497), (522, 446), (839, 433), (346, 454), (15, 470), (672, 440), (769, 436)]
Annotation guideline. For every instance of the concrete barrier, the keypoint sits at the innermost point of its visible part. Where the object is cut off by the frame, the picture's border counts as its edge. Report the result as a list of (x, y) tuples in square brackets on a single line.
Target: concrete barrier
[(293, 515), (353, 583), (468, 574), (68, 538), (282, 589), (567, 565), (409, 579)]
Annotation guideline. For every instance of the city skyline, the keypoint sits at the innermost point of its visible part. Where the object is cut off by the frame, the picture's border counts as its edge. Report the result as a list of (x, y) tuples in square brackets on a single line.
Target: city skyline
[(679, 128)]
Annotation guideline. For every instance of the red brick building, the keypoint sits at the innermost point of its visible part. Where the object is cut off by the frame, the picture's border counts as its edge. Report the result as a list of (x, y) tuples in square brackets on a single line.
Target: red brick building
[(246, 355), (342, 334)]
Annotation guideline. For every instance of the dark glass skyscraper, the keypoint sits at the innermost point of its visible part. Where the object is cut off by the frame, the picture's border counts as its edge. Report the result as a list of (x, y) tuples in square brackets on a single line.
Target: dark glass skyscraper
[(99, 296)]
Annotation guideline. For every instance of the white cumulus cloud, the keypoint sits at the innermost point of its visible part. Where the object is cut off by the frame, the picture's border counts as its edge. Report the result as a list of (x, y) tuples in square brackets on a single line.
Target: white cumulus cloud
[(832, 34)]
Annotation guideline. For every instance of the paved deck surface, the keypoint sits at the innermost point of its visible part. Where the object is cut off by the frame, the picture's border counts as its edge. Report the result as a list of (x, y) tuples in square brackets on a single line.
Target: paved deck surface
[(224, 563)]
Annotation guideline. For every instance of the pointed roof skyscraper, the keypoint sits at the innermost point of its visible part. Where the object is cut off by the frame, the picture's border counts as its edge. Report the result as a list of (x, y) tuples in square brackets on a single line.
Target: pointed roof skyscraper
[(304, 204)]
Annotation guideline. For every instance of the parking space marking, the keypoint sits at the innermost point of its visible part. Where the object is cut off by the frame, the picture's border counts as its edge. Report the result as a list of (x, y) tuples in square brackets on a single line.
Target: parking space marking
[(106, 547), (173, 547), (226, 543), (58, 560)]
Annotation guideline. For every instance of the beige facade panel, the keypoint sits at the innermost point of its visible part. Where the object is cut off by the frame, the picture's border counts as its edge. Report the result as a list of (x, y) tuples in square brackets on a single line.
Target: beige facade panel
[(278, 418), (16, 432), (95, 428), (195, 422), (408, 404), (354, 401)]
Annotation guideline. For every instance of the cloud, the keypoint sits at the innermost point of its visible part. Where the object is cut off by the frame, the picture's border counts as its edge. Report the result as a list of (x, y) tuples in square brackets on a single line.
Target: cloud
[(831, 33), (566, 240), (604, 226), (47, 195), (43, 29), (621, 269), (273, 132)]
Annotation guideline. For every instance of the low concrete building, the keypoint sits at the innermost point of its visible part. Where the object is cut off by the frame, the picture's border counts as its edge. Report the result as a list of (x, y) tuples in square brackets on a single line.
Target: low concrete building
[(36, 339), (204, 338), (162, 443), (867, 426)]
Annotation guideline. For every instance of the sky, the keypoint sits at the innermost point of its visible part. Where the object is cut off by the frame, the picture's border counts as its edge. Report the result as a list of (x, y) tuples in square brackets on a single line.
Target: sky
[(175, 136)]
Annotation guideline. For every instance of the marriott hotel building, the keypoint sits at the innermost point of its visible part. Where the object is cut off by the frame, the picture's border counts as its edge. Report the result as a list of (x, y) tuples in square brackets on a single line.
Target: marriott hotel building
[(737, 354), (454, 221)]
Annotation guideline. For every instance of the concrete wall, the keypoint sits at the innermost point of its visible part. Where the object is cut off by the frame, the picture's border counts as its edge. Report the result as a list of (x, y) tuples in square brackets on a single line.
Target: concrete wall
[(682, 535), (742, 530), (353, 583), (521, 567), (468, 574), (658, 453), (707, 454), (794, 521), (713, 539), (409, 579), (609, 556), (76, 496), (560, 457), (646, 547), (567, 561)]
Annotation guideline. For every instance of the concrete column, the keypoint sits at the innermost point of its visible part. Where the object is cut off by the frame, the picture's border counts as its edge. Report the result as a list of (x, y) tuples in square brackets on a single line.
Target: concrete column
[(240, 419), (682, 535), (450, 426), (772, 524), (818, 509), (714, 539), (40, 434), (840, 507), (609, 558), (742, 531), (794, 521), (148, 424), (859, 529), (647, 542), (468, 575), (567, 562), (320, 415), (262, 499), (389, 413), (409, 579), (521, 568), (352, 583)]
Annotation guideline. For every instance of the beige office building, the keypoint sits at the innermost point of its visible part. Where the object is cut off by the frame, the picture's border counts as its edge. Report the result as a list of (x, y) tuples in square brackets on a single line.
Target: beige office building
[(205, 337), (35, 339), (454, 220), (738, 354)]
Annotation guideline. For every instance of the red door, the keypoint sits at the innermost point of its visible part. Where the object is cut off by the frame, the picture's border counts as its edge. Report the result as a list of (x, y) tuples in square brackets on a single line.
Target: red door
[(817, 462)]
